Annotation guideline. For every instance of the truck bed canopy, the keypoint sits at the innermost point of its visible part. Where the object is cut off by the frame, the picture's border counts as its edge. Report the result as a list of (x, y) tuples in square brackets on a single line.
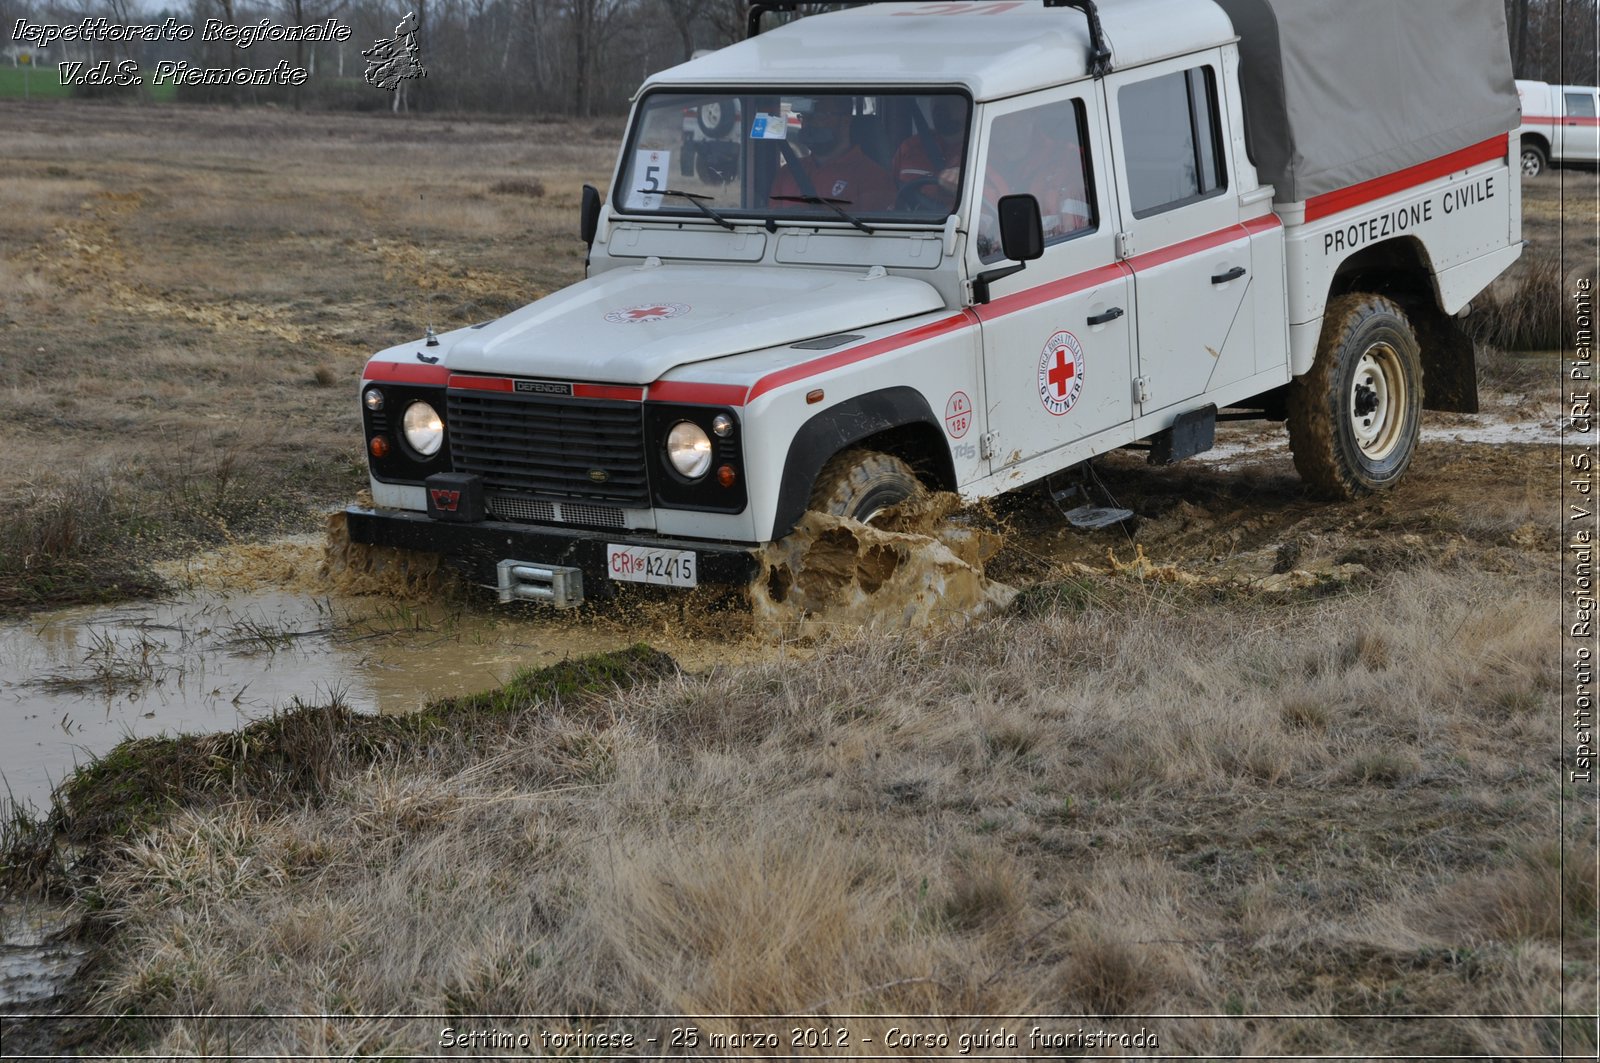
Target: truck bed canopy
[(1343, 92)]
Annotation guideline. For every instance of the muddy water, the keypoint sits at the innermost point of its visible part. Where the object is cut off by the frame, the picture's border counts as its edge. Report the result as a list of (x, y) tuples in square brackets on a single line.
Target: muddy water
[(257, 629), (260, 627)]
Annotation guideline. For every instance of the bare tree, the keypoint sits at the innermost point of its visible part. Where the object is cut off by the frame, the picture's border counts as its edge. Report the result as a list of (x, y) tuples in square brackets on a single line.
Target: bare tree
[(683, 14)]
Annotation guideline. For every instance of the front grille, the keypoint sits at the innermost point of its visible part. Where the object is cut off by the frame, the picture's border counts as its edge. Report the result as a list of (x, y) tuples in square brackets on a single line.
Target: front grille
[(546, 448), (532, 509), (507, 507)]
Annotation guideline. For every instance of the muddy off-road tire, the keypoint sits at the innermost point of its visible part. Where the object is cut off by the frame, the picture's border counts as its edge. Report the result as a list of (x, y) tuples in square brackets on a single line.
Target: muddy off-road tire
[(1355, 417), (860, 484)]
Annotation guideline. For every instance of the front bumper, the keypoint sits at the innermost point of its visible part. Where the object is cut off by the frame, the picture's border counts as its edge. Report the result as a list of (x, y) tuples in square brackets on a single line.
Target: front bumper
[(477, 548)]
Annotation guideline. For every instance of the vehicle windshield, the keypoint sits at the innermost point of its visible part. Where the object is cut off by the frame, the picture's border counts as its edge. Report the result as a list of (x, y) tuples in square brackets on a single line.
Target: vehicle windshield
[(812, 155)]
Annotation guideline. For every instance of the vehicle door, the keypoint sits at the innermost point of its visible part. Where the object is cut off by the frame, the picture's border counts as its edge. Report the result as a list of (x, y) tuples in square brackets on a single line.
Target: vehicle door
[(1057, 337), (1580, 125), (1190, 257)]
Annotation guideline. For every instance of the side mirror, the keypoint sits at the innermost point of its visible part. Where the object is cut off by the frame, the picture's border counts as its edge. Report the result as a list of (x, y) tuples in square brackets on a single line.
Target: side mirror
[(1021, 228), (1021, 240), (589, 224)]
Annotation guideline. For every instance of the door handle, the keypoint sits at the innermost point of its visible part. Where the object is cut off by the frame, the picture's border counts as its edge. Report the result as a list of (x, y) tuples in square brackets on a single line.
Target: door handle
[(1232, 275), (1107, 317)]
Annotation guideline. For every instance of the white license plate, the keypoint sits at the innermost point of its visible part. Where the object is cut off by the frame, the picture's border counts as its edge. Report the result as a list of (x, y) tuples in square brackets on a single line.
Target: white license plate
[(641, 564)]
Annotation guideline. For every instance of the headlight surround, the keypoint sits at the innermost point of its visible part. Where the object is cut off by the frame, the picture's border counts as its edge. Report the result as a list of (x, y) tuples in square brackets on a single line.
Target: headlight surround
[(423, 429), (689, 450)]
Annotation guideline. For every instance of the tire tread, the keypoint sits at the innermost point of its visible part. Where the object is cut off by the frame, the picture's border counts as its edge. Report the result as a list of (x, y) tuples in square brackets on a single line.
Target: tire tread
[(850, 474), (1314, 403)]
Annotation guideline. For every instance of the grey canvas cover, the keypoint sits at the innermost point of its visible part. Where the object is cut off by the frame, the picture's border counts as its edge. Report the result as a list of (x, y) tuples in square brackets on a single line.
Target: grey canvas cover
[(1337, 92)]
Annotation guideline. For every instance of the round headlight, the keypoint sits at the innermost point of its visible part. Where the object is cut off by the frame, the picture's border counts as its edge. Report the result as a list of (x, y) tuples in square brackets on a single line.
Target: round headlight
[(689, 449), (423, 429)]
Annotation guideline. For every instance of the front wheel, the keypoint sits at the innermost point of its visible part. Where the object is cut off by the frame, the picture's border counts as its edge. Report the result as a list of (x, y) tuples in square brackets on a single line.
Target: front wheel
[(1355, 417), (861, 484)]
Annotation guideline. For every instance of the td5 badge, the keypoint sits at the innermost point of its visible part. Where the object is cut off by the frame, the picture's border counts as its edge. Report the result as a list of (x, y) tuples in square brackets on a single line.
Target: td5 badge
[(1061, 373)]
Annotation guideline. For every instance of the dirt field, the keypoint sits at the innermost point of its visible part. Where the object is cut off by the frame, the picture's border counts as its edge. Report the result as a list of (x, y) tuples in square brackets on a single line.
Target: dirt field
[(1272, 757)]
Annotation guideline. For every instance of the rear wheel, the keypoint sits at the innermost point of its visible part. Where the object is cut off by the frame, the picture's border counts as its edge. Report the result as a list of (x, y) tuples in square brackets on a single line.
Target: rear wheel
[(1355, 417), (1534, 160), (862, 484)]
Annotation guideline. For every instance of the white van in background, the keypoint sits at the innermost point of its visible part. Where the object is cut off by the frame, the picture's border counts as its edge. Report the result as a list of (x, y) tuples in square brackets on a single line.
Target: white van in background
[(1560, 124)]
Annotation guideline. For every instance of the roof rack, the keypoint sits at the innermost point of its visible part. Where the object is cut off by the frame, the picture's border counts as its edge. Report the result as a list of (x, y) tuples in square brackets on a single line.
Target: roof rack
[(1099, 51)]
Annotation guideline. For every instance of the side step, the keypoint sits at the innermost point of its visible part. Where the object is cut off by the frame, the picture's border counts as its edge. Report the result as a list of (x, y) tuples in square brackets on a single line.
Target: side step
[(1087, 489), (528, 581)]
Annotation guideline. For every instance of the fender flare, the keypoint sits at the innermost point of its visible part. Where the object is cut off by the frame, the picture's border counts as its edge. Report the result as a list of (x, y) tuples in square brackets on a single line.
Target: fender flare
[(838, 427)]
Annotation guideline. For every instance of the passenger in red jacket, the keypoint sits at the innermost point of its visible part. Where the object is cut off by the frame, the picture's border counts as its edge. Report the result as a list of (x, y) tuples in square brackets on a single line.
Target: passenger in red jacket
[(1037, 152), (835, 168)]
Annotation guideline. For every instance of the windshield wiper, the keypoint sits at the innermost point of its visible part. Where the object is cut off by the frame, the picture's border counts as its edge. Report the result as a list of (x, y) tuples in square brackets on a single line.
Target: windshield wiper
[(692, 197), (831, 204)]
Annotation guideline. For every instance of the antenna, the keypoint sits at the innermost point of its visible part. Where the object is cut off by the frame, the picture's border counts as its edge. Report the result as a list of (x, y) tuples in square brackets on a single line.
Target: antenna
[(432, 339)]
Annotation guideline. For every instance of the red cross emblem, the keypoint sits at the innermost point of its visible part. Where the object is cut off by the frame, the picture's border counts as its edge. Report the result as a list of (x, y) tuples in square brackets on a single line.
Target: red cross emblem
[(1060, 373), (634, 315)]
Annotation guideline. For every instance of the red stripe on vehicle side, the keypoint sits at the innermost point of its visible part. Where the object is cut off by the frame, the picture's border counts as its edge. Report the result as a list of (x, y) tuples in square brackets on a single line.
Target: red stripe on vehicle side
[(850, 355), (608, 391), (1550, 120), (1010, 304), (704, 394), (1186, 248), (482, 383), (403, 373), (1059, 289), (1379, 187)]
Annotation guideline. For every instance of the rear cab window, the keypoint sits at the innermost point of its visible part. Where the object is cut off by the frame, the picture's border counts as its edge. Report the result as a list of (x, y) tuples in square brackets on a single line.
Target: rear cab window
[(1172, 141)]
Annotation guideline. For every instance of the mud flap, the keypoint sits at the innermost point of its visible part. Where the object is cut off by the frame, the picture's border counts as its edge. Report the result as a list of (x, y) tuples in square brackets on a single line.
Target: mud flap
[(1192, 433), (1449, 362)]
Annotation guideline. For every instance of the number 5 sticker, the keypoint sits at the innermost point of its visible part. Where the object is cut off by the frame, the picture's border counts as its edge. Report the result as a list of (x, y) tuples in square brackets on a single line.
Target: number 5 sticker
[(648, 166)]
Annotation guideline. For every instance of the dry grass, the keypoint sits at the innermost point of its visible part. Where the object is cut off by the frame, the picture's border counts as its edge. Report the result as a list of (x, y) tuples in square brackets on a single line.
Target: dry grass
[(1121, 797), (1138, 804), (178, 319), (1526, 311)]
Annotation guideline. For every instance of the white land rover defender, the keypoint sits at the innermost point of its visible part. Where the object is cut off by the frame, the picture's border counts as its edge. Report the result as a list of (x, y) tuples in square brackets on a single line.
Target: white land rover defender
[(966, 245)]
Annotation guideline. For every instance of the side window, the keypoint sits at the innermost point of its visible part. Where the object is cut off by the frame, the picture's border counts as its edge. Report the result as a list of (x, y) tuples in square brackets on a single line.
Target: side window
[(1043, 151), (1580, 105), (1172, 140)]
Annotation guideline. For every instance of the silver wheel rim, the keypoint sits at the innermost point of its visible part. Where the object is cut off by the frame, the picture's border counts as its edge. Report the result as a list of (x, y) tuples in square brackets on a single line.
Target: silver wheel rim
[(1530, 164), (877, 511), (1378, 402)]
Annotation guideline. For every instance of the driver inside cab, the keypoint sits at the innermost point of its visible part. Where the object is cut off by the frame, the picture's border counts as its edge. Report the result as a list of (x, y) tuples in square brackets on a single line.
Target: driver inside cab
[(833, 167)]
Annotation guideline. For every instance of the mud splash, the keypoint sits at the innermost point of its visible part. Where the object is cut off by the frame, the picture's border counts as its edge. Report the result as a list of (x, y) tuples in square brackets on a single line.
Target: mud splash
[(916, 567)]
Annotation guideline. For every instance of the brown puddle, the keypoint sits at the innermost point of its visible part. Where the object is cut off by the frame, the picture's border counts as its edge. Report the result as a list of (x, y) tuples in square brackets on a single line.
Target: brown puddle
[(260, 627), (256, 629)]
